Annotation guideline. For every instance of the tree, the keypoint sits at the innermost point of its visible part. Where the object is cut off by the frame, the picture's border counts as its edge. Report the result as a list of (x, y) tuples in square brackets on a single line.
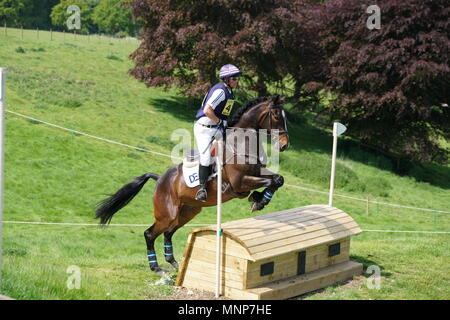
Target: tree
[(59, 14), (391, 85), (40, 14), (11, 11), (186, 42), (112, 17), (27, 13)]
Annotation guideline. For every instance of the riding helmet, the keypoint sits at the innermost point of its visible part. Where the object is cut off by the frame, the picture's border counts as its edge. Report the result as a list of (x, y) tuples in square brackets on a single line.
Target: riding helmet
[(228, 71)]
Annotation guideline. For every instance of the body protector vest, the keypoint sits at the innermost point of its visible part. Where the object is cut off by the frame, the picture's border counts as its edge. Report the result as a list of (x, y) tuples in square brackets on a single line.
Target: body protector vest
[(223, 110)]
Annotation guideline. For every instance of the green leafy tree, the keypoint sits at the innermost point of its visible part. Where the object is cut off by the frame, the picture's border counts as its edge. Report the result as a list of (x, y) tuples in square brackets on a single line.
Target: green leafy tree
[(12, 11), (39, 16), (113, 17), (59, 14)]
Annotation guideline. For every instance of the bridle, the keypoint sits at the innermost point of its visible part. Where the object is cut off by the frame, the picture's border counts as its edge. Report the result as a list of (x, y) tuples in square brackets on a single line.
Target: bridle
[(270, 114)]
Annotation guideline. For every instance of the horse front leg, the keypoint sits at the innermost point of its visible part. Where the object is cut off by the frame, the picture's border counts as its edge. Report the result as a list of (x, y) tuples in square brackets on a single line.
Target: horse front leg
[(261, 199)]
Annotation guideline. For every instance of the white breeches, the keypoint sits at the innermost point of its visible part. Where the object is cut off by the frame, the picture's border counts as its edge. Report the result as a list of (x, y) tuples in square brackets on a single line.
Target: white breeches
[(203, 137)]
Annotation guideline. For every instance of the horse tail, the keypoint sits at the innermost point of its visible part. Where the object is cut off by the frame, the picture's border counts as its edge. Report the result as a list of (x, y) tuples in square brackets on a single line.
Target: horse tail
[(108, 207)]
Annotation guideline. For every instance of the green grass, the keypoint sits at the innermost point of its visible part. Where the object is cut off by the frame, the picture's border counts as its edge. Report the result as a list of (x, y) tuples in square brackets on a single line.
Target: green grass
[(57, 176)]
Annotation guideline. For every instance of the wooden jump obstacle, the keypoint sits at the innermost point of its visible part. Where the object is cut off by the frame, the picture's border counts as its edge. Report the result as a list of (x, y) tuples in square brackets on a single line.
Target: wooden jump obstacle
[(273, 256)]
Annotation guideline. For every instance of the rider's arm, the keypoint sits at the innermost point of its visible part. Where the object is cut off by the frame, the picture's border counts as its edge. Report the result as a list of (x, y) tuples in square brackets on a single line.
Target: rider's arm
[(209, 111), (216, 98)]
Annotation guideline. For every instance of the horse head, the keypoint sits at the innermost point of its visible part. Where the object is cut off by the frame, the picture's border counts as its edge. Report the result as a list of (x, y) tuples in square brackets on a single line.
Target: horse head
[(273, 119), (264, 113)]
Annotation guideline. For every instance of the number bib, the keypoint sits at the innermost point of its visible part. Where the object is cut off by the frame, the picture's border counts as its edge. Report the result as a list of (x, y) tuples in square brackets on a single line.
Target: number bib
[(228, 106)]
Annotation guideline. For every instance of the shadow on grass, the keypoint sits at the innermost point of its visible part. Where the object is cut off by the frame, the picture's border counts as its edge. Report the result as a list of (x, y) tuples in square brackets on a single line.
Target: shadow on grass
[(182, 108), (367, 263), (350, 283)]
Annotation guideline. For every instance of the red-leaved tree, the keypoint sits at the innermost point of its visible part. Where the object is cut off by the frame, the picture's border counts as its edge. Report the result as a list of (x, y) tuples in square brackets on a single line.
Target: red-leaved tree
[(392, 85), (186, 42)]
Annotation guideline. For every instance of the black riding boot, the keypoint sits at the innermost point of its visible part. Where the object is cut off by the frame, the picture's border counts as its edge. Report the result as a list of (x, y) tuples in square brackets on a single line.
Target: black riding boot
[(203, 173)]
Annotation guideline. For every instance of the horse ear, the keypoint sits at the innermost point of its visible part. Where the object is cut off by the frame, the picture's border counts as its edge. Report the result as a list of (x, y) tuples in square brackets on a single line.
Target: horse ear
[(275, 99), (278, 99)]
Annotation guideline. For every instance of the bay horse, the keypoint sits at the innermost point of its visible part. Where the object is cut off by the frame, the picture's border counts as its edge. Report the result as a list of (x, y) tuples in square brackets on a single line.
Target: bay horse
[(174, 202)]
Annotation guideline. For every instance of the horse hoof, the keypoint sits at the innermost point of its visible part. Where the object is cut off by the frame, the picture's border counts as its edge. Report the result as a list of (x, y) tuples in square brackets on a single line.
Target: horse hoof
[(163, 274), (257, 206), (256, 196), (156, 270), (175, 265)]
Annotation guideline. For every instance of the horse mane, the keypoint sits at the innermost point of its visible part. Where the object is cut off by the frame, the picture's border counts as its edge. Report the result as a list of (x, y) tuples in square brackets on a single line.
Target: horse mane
[(247, 106)]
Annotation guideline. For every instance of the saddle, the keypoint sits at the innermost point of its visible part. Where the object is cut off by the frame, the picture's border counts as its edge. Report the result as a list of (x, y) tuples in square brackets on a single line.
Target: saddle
[(191, 163)]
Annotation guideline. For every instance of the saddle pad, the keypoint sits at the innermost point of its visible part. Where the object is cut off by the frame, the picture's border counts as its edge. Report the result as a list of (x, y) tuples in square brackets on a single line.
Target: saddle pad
[(190, 173)]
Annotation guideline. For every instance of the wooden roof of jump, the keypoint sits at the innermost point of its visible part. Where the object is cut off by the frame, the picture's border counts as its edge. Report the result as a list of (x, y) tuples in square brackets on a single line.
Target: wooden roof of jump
[(289, 230)]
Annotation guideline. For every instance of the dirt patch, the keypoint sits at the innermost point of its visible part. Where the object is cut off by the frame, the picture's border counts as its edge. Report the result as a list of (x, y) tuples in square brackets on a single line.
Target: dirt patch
[(181, 293)]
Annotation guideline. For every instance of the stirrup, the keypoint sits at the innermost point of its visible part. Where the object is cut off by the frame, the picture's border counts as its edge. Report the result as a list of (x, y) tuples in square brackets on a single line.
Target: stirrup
[(201, 195)]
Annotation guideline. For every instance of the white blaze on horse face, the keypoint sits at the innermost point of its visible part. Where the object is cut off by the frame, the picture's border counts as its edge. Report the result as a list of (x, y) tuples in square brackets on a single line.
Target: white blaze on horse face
[(285, 119), (273, 160)]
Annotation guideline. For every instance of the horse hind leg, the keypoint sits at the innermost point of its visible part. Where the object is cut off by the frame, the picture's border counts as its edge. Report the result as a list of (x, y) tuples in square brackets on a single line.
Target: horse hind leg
[(186, 214), (150, 237), (168, 249)]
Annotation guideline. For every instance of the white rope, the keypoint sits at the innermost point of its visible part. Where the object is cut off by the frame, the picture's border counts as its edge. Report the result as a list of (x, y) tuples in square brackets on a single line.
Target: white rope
[(365, 200), (409, 231), (173, 157), (94, 137), (67, 224)]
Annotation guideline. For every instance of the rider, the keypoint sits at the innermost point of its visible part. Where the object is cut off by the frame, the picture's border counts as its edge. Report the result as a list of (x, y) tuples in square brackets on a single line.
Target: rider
[(212, 118)]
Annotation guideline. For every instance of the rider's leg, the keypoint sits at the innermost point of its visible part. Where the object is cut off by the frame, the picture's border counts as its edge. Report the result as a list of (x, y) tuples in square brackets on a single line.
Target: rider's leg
[(203, 177), (203, 137)]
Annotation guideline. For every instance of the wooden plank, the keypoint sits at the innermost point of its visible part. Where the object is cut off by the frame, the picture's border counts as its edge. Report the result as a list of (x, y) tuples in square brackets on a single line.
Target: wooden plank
[(315, 232), (320, 261), (273, 226), (286, 265), (185, 260), (259, 221), (236, 265), (208, 269), (282, 270), (300, 220), (294, 230), (273, 215), (240, 229), (210, 286), (232, 248), (292, 256), (225, 279), (302, 244), (306, 283)]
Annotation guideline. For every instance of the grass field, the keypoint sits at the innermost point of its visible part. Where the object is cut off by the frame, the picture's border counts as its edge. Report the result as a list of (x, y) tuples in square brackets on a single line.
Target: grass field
[(56, 176)]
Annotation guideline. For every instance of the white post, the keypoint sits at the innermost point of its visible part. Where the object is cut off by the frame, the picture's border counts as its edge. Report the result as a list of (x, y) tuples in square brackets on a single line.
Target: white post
[(338, 129), (219, 214), (2, 135)]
